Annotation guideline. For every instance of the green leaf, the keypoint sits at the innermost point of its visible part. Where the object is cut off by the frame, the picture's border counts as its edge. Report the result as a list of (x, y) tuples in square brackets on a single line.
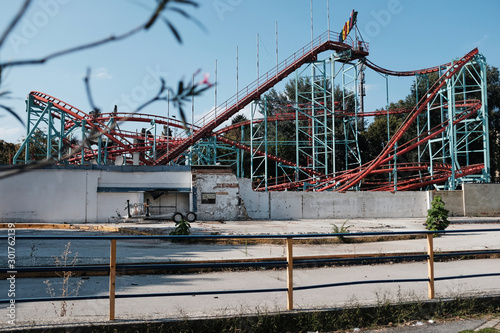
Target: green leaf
[(187, 2), (183, 117), (180, 88), (174, 30)]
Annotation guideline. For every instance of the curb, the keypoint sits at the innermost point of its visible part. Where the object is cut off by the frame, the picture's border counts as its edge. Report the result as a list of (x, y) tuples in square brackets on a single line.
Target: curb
[(59, 226), (493, 323)]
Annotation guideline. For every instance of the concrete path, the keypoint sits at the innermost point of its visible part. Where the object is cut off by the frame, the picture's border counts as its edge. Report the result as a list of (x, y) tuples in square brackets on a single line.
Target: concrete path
[(221, 305), (41, 253), (427, 327)]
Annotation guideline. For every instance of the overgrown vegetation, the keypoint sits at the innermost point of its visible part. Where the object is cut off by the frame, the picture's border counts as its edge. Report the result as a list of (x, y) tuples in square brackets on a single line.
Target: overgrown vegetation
[(383, 314)]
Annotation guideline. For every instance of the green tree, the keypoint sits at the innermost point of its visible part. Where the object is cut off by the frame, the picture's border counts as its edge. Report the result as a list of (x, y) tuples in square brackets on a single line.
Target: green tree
[(7, 152), (493, 77)]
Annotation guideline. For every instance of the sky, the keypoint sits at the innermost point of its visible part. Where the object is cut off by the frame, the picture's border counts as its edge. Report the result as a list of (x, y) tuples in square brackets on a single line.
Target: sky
[(402, 35)]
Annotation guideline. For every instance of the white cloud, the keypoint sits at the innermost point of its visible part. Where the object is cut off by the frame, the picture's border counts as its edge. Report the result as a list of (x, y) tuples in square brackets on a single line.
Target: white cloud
[(102, 73), (371, 87), (483, 39), (11, 134)]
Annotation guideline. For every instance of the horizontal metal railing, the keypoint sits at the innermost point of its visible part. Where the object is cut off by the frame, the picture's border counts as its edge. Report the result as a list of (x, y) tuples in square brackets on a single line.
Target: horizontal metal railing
[(289, 264)]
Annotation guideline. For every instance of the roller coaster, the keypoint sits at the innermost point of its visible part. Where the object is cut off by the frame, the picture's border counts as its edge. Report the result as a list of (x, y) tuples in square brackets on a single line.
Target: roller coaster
[(441, 143)]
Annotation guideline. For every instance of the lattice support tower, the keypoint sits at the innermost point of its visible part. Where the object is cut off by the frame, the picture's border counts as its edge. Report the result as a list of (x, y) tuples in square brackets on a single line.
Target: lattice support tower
[(466, 142), (46, 131), (314, 135), (258, 142), (347, 130)]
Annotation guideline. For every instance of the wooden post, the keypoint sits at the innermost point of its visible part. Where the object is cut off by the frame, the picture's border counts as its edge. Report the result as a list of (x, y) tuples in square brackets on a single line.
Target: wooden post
[(430, 264), (289, 273), (112, 279)]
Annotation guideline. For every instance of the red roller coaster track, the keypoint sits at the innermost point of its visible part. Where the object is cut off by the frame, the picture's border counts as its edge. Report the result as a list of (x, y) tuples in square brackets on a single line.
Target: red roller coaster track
[(419, 108), (172, 148)]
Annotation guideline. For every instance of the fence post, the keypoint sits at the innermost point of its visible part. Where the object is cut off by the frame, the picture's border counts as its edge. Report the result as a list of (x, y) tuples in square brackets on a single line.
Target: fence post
[(112, 279), (430, 264), (289, 273)]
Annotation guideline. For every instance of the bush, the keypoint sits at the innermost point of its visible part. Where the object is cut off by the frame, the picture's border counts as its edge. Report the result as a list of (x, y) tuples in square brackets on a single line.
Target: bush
[(437, 216), (181, 228)]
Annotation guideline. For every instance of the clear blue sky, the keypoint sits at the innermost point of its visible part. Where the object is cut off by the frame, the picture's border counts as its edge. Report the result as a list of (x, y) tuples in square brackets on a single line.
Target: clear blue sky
[(403, 35)]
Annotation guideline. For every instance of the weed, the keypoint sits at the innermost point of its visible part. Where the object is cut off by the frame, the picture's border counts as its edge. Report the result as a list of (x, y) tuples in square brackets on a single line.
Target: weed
[(384, 314), (181, 228), (342, 230), (67, 288)]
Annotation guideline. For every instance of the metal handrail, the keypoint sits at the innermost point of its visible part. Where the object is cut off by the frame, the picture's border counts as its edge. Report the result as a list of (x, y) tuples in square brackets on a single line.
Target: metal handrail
[(276, 236), (289, 263), (254, 86)]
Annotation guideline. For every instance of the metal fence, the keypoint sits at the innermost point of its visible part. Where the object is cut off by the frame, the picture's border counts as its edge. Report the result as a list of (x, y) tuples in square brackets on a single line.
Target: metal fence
[(288, 262)]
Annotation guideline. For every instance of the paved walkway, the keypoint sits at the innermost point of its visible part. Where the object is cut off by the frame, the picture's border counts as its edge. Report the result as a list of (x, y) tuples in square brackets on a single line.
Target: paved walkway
[(94, 251)]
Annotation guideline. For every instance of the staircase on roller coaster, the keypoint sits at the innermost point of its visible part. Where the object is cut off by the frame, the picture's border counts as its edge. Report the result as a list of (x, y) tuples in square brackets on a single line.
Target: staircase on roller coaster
[(325, 42)]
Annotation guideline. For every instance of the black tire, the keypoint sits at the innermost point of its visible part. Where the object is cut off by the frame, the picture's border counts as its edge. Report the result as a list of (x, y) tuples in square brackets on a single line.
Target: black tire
[(191, 216), (177, 217)]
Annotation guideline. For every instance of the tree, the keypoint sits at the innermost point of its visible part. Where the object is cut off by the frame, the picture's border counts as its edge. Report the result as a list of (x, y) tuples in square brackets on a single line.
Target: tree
[(493, 77), (7, 152)]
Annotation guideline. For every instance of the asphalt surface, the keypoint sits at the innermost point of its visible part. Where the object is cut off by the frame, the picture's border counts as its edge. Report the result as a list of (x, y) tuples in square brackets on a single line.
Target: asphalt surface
[(43, 252), (426, 327)]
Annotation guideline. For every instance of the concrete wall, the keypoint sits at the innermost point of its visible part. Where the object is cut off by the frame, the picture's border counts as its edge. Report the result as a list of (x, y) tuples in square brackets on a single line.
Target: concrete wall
[(76, 195), (473, 200), (453, 201), (223, 185), (43, 196), (97, 194), (256, 203), (481, 199), (160, 177), (326, 205)]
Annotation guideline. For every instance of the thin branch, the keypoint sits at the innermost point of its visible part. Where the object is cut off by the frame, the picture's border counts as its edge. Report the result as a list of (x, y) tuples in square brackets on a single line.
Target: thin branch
[(161, 6), (113, 38), (22, 168), (11, 111), (17, 169), (109, 39), (178, 99), (89, 94), (158, 97), (14, 21)]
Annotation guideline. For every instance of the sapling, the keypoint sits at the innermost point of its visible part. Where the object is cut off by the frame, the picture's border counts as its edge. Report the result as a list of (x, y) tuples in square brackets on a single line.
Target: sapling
[(437, 216)]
